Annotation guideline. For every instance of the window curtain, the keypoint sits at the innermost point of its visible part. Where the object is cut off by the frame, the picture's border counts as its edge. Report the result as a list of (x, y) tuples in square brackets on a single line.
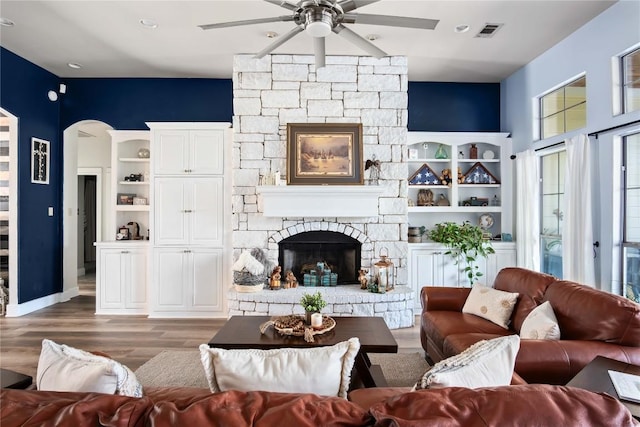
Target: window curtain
[(577, 233), (527, 210)]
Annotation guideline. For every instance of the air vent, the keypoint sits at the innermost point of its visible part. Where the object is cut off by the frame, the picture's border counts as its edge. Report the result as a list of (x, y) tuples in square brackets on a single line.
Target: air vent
[(489, 30)]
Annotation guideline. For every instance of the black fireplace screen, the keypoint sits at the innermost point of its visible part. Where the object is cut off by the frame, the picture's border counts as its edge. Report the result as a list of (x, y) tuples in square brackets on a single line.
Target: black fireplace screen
[(302, 252)]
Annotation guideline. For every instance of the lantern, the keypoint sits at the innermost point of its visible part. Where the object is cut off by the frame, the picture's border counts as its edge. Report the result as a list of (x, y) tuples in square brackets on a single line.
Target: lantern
[(383, 272)]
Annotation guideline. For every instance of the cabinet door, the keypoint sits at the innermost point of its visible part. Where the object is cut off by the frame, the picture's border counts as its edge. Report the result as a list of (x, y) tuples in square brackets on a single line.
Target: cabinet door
[(170, 266), (504, 257), (423, 271), (136, 284), (111, 278), (206, 216), (206, 280), (206, 152), (170, 219), (170, 152)]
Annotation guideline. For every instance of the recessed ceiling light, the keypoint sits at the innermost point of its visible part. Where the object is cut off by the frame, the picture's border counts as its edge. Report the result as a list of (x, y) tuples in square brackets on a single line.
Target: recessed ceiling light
[(5, 22), (148, 23), (74, 65), (272, 34), (461, 28), (372, 37)]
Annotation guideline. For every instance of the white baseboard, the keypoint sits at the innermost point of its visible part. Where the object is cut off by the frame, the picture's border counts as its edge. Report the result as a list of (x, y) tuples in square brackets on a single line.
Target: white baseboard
[(17, 310)]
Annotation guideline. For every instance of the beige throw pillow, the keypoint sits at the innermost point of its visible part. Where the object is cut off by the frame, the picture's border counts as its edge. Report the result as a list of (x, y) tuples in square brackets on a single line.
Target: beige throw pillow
[(321, 370), (541, 324), (491, 304), (64, 368), (487, 363)]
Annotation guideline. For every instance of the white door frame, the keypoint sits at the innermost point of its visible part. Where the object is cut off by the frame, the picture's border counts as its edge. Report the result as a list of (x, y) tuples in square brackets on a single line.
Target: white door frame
[(13, 208), (97, 172)]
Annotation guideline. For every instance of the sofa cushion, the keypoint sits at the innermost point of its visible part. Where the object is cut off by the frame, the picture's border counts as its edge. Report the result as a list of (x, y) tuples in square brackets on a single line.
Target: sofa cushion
[(522, 405), (541, 324), (484, 364), (320, 370), (585, 313), (64, 368), (530, 285), (492, 304)]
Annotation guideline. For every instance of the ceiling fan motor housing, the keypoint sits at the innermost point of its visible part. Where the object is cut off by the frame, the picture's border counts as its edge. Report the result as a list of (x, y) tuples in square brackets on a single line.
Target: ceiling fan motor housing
[(318, 17)]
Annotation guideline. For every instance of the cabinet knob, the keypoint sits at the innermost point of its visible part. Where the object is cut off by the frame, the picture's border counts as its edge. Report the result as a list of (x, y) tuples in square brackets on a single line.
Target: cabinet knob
[(124, 252), (187, 211), (186, 170), (187, 251)]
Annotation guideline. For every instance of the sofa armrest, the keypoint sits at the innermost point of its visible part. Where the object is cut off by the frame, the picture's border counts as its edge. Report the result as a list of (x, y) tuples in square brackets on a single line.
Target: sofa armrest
[(556, 362), (443, 298)]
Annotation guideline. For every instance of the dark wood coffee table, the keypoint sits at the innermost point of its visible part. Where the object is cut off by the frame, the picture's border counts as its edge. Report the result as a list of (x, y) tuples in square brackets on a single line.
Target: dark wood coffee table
[(594, 377), (243, 332), (12, 379)]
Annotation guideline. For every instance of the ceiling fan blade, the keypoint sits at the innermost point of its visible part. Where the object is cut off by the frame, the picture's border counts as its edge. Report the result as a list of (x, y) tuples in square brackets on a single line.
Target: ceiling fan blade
[(319, 51), (283, 3), (359, 41), (247, 22), (349, 5), (392, 21), (279, 41)]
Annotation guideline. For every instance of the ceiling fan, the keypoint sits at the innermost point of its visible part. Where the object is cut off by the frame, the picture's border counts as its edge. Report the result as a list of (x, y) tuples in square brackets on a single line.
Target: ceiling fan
[(319, 18)]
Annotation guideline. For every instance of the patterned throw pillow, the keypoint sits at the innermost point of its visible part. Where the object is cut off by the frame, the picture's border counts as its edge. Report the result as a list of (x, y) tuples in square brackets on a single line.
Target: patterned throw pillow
[(321, 370), (487, 363), (491, 304), (541, 324), (64, 368)]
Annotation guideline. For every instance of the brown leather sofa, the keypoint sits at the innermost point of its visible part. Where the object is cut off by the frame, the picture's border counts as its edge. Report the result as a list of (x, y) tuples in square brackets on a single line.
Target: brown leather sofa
[(592, 323), (522, 405)]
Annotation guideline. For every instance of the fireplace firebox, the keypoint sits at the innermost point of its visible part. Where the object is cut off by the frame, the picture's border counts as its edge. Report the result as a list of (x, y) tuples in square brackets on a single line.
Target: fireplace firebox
[(302, 252)]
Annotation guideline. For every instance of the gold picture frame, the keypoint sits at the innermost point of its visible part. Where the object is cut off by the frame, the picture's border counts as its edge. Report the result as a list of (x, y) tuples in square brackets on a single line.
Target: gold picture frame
[(324, 154)]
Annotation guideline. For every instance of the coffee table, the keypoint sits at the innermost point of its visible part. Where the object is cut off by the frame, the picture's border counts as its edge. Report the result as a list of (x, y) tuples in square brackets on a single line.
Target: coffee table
[(12, 379), (243, 332), (594, 377)]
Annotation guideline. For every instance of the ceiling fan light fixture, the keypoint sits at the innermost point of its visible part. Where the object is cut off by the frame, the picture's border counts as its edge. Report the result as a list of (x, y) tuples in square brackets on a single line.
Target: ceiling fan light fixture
[(318, 23)]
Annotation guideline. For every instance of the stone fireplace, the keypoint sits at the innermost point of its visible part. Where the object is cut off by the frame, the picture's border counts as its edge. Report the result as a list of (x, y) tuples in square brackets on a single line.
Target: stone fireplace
[(275, 90)]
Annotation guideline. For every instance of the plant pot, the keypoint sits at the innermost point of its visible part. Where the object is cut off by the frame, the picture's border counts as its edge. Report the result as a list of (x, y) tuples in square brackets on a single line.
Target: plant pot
[(308, 319)]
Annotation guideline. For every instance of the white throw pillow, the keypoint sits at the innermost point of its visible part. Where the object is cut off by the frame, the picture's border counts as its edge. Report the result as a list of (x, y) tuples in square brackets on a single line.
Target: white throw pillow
[(487, 363), (321, 370), (541, 324), (64, 368), (491, 304)]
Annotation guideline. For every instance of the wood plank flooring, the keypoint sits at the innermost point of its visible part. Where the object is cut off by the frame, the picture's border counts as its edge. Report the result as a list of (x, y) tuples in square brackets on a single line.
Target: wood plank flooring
[(132, 340)]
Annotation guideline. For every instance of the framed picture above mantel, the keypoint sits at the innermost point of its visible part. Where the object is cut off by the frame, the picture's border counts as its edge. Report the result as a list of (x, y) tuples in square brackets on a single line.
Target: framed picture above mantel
[(324, 154)]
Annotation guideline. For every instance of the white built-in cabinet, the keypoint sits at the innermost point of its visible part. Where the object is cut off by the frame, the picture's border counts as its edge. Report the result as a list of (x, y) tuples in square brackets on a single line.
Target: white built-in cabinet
[(191, 189), (121, 280), (122, 265), (429, 153)]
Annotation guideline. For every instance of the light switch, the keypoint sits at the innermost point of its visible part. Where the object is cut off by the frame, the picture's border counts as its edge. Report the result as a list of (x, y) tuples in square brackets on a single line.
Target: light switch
[(50, 210)]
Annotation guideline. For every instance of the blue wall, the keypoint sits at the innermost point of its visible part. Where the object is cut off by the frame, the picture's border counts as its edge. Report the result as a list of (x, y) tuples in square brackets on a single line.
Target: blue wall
[(128, 103), (23, 93), (454, 107)]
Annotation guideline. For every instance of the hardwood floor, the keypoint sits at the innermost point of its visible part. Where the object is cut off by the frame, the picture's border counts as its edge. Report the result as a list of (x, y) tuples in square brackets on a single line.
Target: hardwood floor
[(132, 340)]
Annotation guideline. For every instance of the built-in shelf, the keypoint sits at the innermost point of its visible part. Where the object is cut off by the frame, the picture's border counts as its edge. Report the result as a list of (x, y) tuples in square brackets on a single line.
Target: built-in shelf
[(454, 209), (319, 200), (133, 160), (133, 182), (132, 208)]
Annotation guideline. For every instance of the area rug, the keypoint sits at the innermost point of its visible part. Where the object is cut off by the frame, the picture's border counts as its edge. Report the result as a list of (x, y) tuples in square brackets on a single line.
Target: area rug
[(182, 368)]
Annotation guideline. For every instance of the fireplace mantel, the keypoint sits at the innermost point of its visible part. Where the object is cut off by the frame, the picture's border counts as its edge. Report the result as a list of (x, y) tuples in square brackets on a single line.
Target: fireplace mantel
[(320, 200)]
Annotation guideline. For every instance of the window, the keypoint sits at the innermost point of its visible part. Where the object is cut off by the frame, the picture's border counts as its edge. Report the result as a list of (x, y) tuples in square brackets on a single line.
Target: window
[(631, 216), (551, 216), (564, 109), (631, 81)]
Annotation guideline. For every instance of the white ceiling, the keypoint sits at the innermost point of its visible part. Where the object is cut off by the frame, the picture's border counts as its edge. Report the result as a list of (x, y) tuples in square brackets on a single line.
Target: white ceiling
[(108, 40)]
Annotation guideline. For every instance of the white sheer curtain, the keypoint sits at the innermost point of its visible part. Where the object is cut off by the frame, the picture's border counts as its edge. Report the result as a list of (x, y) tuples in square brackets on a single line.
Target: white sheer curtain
[(527, 210), (577, 232)]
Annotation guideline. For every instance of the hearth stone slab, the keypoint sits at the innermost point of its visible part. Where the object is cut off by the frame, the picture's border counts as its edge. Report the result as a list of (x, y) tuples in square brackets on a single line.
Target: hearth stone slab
[(396, 307)]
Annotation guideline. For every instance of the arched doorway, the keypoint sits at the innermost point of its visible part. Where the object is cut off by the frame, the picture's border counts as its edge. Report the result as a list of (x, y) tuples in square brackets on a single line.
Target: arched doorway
[(87, 154)]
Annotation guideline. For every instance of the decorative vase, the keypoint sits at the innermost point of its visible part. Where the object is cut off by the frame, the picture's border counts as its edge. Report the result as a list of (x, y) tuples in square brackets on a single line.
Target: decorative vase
[(441, 153), (308, 319), (473, 152)]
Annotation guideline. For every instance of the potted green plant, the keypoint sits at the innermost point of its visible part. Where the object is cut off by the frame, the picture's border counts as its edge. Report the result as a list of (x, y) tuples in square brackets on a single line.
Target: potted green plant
[(465, 242), (312, 303)]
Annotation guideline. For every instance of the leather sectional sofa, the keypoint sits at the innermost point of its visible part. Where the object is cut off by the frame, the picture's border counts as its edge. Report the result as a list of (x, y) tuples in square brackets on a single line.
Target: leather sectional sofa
[(521, 405), (592, 323)]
